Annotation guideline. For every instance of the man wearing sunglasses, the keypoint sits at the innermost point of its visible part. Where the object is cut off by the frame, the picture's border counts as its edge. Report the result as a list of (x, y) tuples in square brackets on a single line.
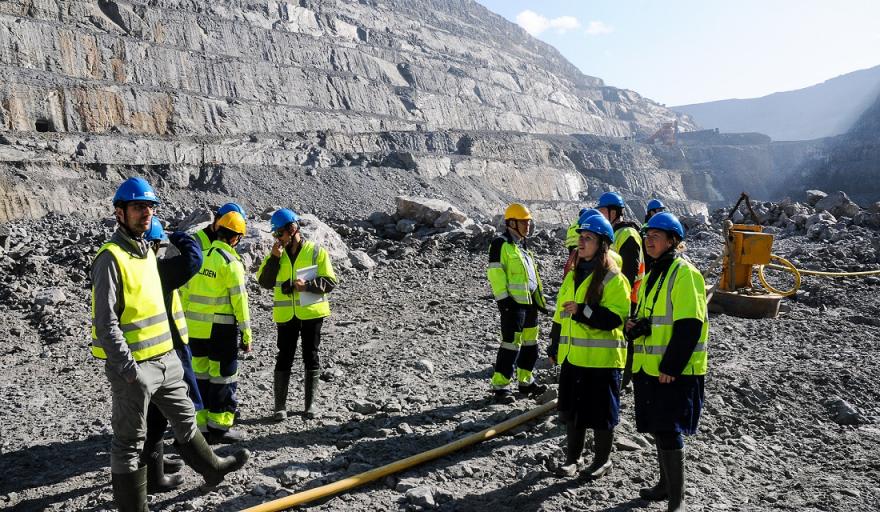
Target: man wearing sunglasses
[(204, 237), (301, 275)]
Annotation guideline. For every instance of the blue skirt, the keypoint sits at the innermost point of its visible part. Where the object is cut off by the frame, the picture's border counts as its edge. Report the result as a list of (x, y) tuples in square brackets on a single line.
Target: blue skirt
[(673, 407), (590, 397)]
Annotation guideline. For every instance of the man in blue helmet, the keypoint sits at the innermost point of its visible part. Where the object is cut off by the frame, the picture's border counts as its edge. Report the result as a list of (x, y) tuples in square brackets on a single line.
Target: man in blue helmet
[(204, 237), (301, 275), (174, 272), (654, 207), (131, 332)]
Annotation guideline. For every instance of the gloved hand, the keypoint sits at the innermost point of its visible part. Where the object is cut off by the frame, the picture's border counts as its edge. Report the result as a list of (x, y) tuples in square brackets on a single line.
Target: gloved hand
[(287, 287), (177, 237), (506, 304)]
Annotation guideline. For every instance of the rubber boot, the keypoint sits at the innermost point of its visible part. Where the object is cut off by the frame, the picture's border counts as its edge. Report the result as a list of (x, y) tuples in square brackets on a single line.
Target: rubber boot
[(575, 439), (157, 481), (603, 440), (172, 465), (130, 490), (311, 385), (282, 383), (199, 455), (659, 491), (674, 462)]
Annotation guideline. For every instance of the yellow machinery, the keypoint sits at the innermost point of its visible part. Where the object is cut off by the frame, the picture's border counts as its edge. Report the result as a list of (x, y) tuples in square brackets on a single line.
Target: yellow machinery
[(746, 246)]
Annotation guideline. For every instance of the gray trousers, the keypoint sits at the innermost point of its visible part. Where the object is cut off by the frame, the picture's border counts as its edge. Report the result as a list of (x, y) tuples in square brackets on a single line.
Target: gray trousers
[(159, 381)]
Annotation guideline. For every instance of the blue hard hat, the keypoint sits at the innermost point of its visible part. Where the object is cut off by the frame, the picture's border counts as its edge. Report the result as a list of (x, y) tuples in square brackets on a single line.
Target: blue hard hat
[(597, 224), (135, 189), (610, 199), (655, 204), (156, 231), (231, 207), (667, 222), (282, 218), (587, 212)]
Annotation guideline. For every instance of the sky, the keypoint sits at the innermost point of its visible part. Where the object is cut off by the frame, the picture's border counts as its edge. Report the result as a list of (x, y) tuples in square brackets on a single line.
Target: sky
[(678, 52)]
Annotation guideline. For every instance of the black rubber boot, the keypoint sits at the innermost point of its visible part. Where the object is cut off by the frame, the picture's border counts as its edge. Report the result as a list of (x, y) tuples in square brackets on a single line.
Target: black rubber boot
[(533, 389), (659, 491), (282, 383), (157, 481), (172, 465), (575, 439), (311, 385), (130, 490), (603, 441), (199, 455), (674, 462)]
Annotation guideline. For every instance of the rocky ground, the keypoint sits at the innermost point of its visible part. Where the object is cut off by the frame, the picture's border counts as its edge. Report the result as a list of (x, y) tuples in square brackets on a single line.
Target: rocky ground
[(791, 417)]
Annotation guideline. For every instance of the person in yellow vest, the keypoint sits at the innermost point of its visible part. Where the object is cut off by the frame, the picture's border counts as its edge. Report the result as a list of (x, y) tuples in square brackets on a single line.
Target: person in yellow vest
[(671, 334), (205, 236), (301, 275), (592, 306), (217, 314), (516, 285), (628, 244), (131, 332)]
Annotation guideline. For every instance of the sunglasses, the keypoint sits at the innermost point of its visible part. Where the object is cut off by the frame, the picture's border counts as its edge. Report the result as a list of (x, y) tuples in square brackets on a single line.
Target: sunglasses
[(278, 234)]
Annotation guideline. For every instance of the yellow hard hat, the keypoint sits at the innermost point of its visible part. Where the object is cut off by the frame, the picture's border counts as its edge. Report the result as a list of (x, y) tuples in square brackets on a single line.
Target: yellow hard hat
[(233, 221), (517, 211)]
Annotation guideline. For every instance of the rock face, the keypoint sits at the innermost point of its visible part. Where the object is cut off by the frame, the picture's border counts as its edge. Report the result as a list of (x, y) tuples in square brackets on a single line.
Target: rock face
[(332, 97)]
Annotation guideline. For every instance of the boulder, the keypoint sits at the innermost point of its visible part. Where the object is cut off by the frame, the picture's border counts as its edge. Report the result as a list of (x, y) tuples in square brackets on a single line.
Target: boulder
[(406, 225), (839, 205), (427, 211), (50, 296), (361, 260), (814, 196), (325, 236), (196, 220)]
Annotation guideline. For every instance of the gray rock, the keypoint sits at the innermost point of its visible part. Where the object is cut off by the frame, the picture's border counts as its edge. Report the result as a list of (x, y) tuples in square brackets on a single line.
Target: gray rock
[(361, 260), (843, 412), (838, 204), (428, 211), (425, 365), (317, 231), (422, 496), (814, 196), (380, 219), (50, 297), (363, 407), (196, 220), (406, 225)]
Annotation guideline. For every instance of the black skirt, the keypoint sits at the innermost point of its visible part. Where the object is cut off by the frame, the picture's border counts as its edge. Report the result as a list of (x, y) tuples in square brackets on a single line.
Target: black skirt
[(673, 407), (590, 397)]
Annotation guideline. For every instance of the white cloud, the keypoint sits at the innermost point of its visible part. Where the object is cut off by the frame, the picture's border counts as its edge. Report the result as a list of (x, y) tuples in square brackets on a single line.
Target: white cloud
[(535, 24), (598, 28)]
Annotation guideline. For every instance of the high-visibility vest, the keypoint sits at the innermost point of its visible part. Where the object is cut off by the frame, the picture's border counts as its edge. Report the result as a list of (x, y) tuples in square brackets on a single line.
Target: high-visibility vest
[(217, 294), (287, 306), (202, 239), (585, 346), (144, 320), (681, 295), (621, 235), (509, 277), (571, 236)]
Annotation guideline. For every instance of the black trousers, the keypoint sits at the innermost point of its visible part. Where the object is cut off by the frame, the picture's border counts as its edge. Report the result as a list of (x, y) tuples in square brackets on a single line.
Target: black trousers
[(516, 352), (288, 335)]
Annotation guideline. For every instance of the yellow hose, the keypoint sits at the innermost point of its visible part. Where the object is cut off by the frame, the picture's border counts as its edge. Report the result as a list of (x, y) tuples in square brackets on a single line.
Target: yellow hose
[(789, 267), (374, 474)]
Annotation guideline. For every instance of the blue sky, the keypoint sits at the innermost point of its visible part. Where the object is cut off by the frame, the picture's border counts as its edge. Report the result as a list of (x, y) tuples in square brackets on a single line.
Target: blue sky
[(687, 51)]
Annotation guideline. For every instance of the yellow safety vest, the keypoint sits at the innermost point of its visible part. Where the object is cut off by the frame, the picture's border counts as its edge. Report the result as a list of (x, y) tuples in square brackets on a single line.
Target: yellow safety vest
[(620, 237), (571, 236), (217, 294), (202, 240), (288, 306), (585, 346), (144, 320), (509, 277), (681, 295), (179, 317)]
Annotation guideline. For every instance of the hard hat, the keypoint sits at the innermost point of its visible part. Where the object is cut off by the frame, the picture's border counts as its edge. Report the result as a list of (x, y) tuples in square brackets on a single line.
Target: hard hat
[(233, 221), (231, 207), (156, 232), (587, 212), (583, 211), (517, 211), (135, 189), (596, 224), (282, 218), (655, 204), (610, 199), (667, 222)]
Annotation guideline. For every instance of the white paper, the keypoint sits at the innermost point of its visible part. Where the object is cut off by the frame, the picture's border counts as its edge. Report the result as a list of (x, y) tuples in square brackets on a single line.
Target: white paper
[(307, 274)]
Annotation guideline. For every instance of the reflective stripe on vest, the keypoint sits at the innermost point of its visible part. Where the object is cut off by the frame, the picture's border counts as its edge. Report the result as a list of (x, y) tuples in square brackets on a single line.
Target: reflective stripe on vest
[(209, 294), (512, 279), (649, 350), (144, 320), (585, 346), (285, 306)]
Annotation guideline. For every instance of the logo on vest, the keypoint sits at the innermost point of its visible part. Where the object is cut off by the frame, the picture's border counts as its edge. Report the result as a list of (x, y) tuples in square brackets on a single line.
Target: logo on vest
[(208, 273)]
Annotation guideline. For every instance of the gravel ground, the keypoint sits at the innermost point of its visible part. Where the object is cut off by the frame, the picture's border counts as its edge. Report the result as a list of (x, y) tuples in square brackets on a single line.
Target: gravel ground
[(790, 423)]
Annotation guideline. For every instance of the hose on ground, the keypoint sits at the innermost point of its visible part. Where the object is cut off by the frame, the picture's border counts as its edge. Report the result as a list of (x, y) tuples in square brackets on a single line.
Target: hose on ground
[(374, 474), (796, 273)]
